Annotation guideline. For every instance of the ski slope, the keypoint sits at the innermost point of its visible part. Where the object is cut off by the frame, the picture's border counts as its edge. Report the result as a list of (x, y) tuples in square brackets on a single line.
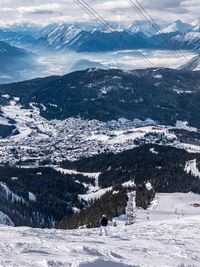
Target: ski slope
[(168, 234)]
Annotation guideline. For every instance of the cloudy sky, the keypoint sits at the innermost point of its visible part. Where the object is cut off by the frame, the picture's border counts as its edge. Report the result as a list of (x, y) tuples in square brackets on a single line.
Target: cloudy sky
[(44, 12)]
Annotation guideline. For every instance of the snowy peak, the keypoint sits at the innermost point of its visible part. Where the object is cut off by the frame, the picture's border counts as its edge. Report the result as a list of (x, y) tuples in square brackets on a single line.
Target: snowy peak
[(142, 27), (196, 28), (62, 34), (177, 26)]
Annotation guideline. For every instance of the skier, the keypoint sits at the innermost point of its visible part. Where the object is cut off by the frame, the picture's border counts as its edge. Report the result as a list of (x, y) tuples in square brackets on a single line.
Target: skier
[(104, 225)]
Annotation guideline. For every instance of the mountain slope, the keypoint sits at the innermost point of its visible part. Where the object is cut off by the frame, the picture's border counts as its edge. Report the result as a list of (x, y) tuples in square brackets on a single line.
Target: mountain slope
[(145, 163), (17, 39), (38, 197), (192, 65), (177, 26), (97, 41), (62, 35), (142, 27), (142, 244), (12, 61), (159, 94), (188, 41)]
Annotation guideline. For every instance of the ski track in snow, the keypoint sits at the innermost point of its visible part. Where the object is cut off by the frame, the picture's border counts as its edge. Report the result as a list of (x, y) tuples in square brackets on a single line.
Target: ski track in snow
[(169, 238)]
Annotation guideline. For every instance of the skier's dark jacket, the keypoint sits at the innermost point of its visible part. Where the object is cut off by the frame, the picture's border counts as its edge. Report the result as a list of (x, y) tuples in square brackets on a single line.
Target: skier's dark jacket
[(104, 221)]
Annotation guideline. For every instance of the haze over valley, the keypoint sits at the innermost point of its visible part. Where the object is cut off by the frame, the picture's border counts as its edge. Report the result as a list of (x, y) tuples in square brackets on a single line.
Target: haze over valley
[(58, 49)]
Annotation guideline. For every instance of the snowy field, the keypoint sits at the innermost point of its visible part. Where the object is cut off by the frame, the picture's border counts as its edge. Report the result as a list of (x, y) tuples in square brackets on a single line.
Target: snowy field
[(168, 234)]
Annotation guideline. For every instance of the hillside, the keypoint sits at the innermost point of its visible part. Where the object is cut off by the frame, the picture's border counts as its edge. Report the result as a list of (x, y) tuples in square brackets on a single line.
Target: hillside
[(38, 197), (44, 196), (97, 41), (142, 164), (13, 61), (159, 94)]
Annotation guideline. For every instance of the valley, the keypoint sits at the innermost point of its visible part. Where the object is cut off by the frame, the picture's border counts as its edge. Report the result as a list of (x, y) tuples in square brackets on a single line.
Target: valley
[(71, 148), (38, 125)]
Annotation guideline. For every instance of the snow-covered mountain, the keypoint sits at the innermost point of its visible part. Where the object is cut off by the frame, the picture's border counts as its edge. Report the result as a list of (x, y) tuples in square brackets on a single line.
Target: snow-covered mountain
[(8, 51), (17, 39), (111, 86), (62, 35), (92, 38), (44, 31), (177, 41), (144, 27), (192, 65), (177, 26), (196, 28), (190, 40)]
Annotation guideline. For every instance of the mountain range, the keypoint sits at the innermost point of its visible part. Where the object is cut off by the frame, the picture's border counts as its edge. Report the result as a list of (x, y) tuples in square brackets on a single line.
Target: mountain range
[(140, 34), (27, 48)]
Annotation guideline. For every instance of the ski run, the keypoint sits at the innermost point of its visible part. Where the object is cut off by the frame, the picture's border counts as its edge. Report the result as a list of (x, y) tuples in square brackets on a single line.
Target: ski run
[(167, 234)]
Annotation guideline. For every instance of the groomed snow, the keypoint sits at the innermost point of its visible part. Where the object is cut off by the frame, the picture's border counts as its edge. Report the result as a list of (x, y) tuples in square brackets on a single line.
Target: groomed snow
[(94, 195), (167, 235)]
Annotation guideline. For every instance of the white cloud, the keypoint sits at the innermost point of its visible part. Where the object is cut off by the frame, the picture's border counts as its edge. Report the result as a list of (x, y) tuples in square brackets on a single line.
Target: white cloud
[(43, 11)]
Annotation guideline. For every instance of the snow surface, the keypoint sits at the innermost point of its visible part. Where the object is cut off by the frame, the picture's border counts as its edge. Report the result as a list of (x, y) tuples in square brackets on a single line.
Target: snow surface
[(142, 27), (94, 195), (32, 197), (87, 174), (4, 219), (9, 194), (177, 26), (191, 167), (167, 235), (4, 121)]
